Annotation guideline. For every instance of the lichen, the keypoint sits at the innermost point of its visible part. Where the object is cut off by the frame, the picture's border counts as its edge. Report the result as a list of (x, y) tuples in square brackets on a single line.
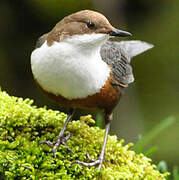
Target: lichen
[(23, 126)]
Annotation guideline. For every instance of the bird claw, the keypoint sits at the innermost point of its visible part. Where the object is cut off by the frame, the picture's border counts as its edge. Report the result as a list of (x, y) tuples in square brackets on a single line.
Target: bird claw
[(51, 144), (92, 162), (89, 158), (61, 140)]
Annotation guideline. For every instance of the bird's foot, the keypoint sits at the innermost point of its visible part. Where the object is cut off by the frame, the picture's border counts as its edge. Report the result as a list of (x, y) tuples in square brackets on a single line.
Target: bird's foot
[(61, 140), (93, 162)]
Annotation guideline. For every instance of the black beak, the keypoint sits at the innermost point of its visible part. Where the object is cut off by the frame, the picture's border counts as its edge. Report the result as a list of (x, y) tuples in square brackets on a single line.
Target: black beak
[(120, 33)]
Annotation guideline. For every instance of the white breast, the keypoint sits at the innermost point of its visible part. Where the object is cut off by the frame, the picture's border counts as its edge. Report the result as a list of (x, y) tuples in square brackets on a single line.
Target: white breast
[(69, 70)]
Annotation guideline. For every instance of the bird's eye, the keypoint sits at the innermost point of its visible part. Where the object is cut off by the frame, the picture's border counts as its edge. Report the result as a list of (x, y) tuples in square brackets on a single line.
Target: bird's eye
[(91, 25)]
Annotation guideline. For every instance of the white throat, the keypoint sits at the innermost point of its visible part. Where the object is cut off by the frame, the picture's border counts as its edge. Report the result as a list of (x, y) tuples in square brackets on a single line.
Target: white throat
[(72, 68)]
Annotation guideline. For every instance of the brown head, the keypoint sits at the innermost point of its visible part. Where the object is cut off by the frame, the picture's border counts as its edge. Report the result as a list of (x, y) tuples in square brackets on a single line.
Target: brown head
[(82, 22)]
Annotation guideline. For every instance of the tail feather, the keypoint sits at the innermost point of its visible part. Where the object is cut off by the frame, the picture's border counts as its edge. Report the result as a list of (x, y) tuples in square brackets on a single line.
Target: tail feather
[(134, 47)]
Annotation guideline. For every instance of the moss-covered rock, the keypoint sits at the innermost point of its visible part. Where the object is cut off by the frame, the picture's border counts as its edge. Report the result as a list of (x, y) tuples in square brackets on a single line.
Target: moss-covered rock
[(23, 126)]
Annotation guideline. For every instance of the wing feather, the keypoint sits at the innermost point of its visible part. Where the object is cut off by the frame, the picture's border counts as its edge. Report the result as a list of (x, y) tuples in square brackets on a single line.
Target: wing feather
[(40, 41), (118, 56), (118, 60)]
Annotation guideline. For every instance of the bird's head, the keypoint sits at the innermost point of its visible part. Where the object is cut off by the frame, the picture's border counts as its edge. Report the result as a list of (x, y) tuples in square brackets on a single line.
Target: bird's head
[(85, 27)]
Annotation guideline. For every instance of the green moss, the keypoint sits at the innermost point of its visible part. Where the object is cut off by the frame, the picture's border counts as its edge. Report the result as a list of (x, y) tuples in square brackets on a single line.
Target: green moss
[(23, 126)]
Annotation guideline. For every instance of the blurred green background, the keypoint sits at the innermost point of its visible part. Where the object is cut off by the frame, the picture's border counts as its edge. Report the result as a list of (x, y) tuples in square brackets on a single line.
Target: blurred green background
[(151, 98)]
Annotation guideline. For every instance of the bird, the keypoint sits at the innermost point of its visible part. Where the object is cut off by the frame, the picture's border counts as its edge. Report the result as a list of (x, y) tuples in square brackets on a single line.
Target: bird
[(77, 65)]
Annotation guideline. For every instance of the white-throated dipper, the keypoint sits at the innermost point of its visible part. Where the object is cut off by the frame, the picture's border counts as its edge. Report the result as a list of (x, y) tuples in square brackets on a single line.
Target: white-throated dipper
[(76, 65)]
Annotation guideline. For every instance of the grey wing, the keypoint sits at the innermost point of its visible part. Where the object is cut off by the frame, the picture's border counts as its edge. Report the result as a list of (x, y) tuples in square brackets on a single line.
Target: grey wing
[(116, 57), (40, 41)]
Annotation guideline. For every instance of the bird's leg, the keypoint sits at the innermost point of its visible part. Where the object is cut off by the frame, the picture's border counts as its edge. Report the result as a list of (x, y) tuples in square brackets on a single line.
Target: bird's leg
[(100, 159), (61, 139)]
